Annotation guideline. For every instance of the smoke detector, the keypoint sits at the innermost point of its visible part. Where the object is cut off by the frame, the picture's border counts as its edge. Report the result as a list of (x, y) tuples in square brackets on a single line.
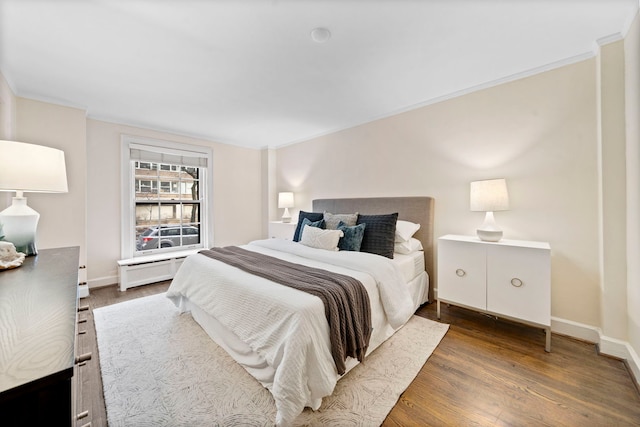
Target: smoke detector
[(320, 35)]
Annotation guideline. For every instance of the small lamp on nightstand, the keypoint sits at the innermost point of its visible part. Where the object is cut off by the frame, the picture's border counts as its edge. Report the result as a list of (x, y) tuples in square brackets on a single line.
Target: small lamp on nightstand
[(489, 196), (28, 168), (285, 200)]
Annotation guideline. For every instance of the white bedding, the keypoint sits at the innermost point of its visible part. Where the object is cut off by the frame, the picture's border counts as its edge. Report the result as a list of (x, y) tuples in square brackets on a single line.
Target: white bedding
[(410, 265), (286, 328)]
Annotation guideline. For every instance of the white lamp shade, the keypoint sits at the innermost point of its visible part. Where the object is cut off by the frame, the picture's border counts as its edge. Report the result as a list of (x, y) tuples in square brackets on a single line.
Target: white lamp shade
[(28, 168), (489, 195), (32, 168), (285, 200)]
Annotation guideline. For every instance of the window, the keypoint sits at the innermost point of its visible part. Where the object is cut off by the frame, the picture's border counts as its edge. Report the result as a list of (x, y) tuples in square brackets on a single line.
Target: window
[(165, 187), (145, 186), (169, 213), (166, 197)]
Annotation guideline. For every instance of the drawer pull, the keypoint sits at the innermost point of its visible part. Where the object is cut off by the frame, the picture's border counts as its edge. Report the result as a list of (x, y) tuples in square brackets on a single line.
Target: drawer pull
[(460, 272), (82, 415), (83, 308), (83, 357), (516, 282)]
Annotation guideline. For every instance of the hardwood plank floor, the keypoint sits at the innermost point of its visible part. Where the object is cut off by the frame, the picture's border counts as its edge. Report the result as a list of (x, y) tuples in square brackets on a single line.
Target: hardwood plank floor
[(485, 372)]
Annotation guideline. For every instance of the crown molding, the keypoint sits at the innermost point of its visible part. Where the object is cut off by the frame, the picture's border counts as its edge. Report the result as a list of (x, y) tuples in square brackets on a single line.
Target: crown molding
[(611, 38)]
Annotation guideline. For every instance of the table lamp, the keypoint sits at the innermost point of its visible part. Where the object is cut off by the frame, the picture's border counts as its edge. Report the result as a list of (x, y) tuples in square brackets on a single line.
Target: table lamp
[(27, 168), (285, 200), (489, 196)]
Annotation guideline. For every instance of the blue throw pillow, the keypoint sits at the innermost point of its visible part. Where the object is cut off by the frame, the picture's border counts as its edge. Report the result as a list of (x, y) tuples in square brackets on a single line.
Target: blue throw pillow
[(352, 239), (380, 234), (306, 222), (312, 216)]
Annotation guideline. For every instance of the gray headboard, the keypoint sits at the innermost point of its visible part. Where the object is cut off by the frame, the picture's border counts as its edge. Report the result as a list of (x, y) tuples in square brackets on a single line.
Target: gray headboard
[(415, 209)]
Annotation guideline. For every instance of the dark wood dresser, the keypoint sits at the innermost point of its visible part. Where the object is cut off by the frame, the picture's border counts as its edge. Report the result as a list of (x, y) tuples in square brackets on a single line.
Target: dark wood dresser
[(38, 318)]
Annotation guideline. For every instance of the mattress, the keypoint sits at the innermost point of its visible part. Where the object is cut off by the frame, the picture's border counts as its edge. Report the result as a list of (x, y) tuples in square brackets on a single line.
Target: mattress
[(411, 265)]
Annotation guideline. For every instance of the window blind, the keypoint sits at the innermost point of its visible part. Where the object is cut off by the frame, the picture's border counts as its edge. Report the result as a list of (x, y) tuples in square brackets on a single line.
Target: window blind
[(168, 156)]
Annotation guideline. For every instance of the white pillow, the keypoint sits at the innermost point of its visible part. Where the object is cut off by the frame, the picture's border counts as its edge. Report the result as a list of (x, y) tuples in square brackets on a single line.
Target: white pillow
[(321, 239), (405, 230), (410, 246)]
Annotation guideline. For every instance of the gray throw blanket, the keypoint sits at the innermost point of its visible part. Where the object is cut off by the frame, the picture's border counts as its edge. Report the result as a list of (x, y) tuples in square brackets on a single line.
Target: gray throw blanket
[(346, 302)]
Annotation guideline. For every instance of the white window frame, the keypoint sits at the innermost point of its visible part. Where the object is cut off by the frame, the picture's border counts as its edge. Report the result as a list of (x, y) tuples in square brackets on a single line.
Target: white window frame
[(128, 205)]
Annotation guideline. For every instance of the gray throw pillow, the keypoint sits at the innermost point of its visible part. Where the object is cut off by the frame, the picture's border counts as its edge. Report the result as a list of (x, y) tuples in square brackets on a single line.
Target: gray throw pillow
[(332, 221)]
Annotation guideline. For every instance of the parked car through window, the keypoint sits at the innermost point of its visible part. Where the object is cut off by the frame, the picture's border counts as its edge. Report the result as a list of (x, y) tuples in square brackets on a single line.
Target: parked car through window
[(167, 236)]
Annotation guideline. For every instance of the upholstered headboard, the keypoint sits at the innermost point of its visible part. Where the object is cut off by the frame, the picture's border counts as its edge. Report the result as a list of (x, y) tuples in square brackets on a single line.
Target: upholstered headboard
[(415, 209)]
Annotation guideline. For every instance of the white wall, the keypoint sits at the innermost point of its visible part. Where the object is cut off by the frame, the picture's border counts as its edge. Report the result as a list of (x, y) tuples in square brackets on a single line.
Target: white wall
[(7, 126), (89, 214), (632, 102), (237, 192), (612, 181), (7, 110), (538, 132), (62, 216)]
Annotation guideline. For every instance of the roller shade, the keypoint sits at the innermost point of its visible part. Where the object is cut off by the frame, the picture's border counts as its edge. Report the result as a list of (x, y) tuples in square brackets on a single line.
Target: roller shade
[(168, 156)]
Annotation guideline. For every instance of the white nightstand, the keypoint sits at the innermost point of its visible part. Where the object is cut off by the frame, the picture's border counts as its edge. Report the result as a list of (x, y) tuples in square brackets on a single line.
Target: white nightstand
[(282, 230), (510, 278)]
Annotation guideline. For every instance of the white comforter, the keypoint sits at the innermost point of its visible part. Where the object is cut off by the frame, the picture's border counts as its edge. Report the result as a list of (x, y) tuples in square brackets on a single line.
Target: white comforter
[(287, 327)]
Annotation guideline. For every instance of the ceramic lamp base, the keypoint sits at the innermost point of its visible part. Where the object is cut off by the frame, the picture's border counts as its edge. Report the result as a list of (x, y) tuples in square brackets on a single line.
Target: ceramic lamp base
[(489, 230), (19, 223), (489, 235), (286, 217)]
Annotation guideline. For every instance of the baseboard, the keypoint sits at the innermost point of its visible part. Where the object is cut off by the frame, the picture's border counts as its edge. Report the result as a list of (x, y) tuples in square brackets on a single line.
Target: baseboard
[(101, 282), (622, 350), (633, 363), (614, 347), (606, 345), (575, 330)]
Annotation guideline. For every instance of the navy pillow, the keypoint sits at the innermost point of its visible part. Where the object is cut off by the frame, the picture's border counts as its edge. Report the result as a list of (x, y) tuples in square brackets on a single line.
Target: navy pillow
[(352, 239), (311, 216), (379, 236)]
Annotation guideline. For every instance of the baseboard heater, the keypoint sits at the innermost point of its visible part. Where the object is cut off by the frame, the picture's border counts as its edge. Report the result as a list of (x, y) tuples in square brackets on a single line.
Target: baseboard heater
[(147, 269)]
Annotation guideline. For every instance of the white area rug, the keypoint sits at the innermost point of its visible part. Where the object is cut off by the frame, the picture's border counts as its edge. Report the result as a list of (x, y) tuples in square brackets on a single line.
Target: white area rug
[(159, 368)]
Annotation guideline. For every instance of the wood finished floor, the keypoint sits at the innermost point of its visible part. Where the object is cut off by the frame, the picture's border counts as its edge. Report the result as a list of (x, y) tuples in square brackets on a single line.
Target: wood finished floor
[(485, 372)]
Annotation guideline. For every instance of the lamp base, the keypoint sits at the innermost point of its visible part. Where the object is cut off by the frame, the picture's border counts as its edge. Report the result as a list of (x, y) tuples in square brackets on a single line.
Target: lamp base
[(489, 235), (286, 216), (489, 230), (19, 223)]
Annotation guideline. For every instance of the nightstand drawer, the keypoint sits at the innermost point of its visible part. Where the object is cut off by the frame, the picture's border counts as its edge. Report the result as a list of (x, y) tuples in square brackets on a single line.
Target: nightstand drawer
[(462, 272), (282, 230), (518, 283)]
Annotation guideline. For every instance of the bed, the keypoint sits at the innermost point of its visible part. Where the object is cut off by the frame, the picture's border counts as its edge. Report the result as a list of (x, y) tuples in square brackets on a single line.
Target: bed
[(280, 335)]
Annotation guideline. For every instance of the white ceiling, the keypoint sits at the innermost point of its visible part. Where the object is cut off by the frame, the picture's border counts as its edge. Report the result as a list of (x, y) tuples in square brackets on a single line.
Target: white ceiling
[(246, 72)]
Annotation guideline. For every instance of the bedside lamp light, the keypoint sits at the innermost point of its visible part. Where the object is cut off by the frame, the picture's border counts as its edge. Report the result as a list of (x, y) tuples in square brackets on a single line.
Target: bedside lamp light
[(489, 196), (285, 200), (27, 168)]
